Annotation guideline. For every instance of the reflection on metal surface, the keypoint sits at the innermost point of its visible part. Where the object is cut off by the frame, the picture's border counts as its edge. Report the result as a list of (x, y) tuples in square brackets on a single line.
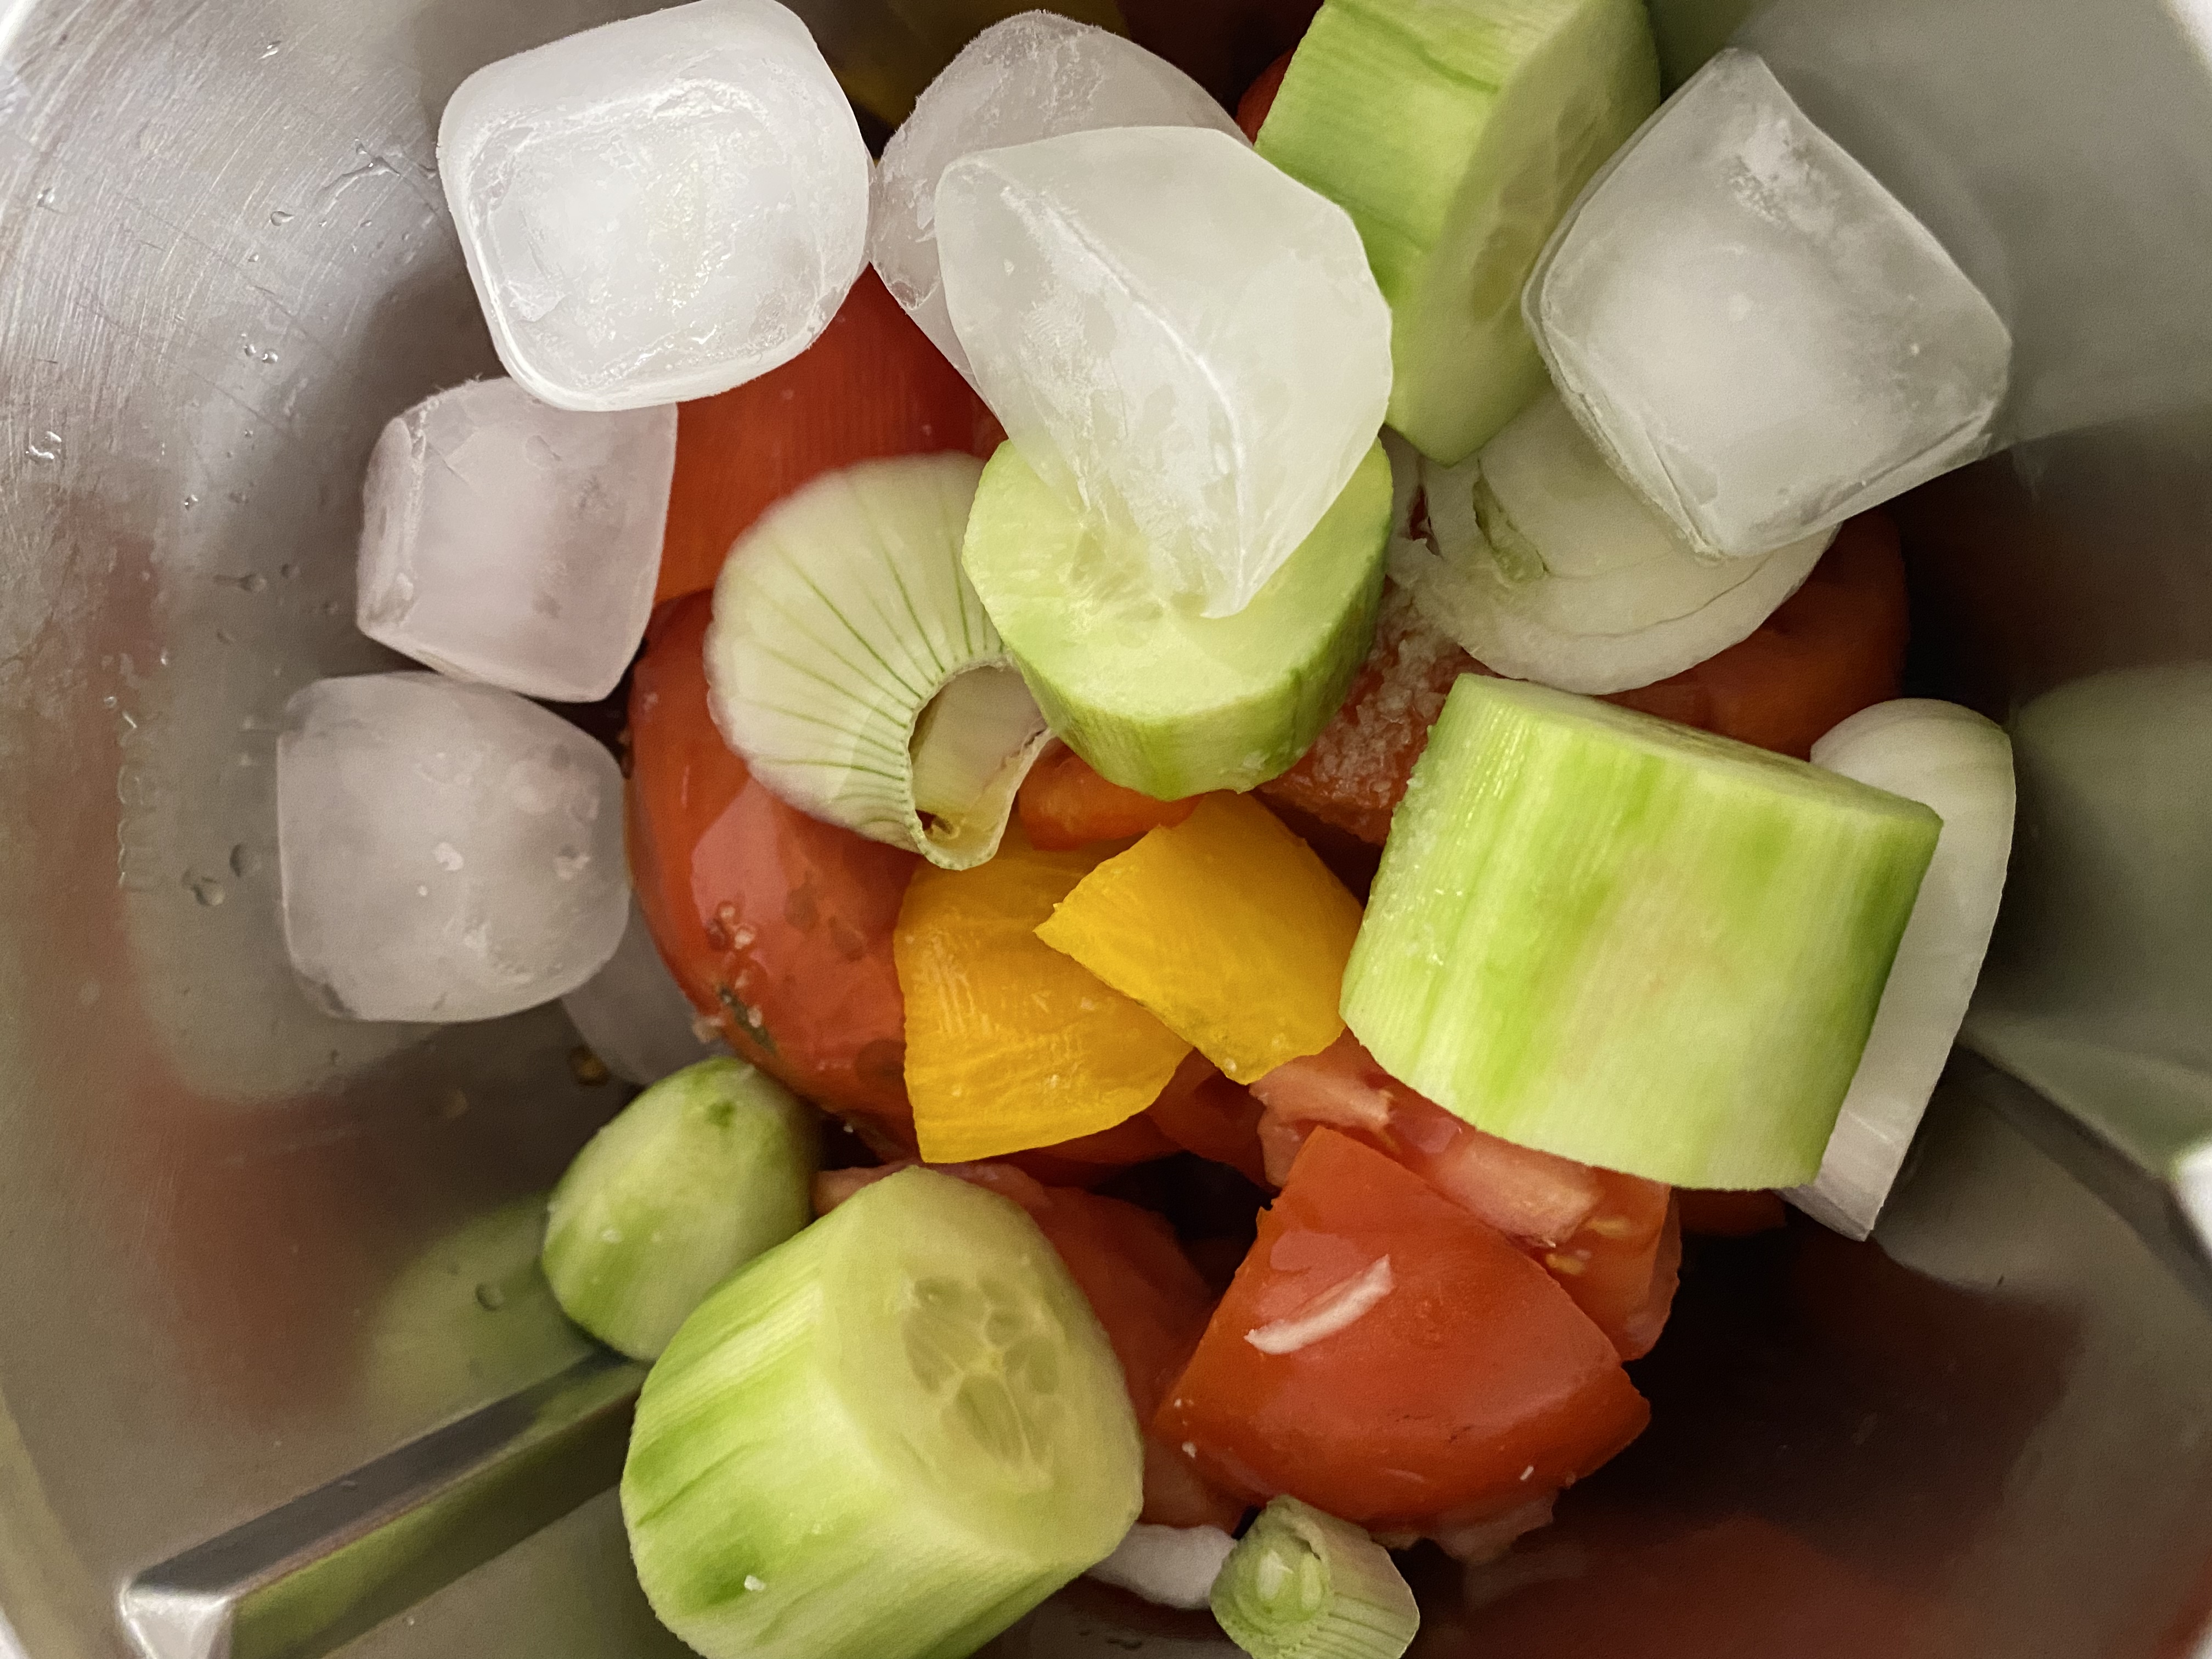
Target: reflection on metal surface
[(329, 1566)]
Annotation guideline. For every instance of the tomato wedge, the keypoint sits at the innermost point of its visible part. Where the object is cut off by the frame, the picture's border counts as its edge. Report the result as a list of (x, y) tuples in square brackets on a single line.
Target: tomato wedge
[(1613, 1240), (1835, 647), (1065, 805), (871, 385), (1203, 1112), (1147, 1296), (776, 924), (1464, 1385)]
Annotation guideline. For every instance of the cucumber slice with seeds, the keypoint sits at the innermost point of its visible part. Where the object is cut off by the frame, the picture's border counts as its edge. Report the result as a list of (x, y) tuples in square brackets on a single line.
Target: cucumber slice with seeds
[(1629, 943), (853, 667), (1155, 697), (889, 1438), (1456, 137), (699, 1175)]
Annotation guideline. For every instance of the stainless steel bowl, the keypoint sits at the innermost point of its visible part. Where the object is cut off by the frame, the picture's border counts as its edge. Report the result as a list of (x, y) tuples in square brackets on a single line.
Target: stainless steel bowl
[(276, 1374)]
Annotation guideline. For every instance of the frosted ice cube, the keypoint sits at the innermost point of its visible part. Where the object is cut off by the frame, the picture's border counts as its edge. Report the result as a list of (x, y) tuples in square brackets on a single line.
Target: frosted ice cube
[(1181, 339), (448, 851), (659, 207), (507, 541), (1761, 338), (634, 1014), (1031, 76)]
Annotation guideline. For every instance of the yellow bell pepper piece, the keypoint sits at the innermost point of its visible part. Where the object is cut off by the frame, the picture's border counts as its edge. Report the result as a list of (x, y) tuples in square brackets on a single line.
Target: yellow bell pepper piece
[(1227, 927), (1009, 1044)]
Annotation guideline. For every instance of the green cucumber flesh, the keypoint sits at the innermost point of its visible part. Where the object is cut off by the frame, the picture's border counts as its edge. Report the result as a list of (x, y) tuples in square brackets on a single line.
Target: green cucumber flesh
[(1457, 136), (1629, 943), (1155, 697), (696, 1176), (887, 1439)]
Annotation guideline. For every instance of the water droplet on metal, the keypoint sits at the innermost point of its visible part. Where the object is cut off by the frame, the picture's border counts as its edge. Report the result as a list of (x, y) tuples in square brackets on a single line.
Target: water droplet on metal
[(244, 861), (192, 501), (288, 571), (252, 581), (453, 1103), (49, 198), (108, 701), (586, 1067), (447, 856), (270, 48), (280, 217), (206, 889), (490, 1297), (46, 447)]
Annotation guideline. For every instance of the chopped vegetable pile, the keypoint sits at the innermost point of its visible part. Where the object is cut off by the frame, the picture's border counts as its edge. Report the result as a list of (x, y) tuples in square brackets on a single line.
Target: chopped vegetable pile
[(1249, 788)]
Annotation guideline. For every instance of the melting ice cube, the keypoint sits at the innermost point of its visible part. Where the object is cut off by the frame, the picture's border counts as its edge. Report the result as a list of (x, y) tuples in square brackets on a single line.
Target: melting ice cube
[(507, 541), (1031, 76), (635, 1014), (1181, 339), (660, 208), (449, 852), (1761, 338)]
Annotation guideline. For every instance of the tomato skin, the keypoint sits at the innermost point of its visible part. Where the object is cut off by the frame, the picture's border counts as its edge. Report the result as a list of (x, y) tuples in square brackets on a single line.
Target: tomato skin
[(872, 385), (1835, 647), (1260, 97), (777, 925), (1475, 1367), (1148, 1298), (1065, 805)]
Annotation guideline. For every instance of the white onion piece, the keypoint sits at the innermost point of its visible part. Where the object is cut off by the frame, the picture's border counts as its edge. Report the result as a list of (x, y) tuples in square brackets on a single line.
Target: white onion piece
[(1326, 1313), (1546, 567), (853, 667), (1173, 1566), (1960, 764)]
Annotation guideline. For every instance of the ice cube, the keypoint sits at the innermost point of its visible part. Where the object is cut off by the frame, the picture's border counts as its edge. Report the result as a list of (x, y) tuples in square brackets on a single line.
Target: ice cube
[(1761, 338), (1031, 76), (507, 541), (659, 207), (1182, 340), (634, 1014), (448, 851)]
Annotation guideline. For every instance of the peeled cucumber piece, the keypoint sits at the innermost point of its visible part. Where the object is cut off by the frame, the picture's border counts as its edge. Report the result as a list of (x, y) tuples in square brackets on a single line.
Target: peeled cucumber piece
[(1457, 136), (699, 1175), (889, 1438), (1155, 697), (852, 666), (1629, 943), (1544, 565)]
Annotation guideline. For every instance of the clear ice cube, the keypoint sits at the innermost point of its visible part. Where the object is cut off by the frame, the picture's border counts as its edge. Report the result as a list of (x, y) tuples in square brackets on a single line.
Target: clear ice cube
[(634, 1014), (448, 851), (1181, 338), (1761, 338), (660, 208), (1033, 76), (506, 541)]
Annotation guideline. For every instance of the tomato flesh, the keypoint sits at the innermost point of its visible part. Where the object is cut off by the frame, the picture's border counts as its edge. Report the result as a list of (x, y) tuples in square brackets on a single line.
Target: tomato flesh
[(1611, 1240), (1260, 97), (1201, 1111), (1065, 805), (1471, 1387), (1148, 1298), (872, 385)]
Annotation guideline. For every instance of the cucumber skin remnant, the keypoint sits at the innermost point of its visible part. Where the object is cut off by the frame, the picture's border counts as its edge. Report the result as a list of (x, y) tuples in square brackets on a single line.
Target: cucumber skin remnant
[(696, 1176), (1626, 942), (794, 1490), (1412, 118), (1153, 696)]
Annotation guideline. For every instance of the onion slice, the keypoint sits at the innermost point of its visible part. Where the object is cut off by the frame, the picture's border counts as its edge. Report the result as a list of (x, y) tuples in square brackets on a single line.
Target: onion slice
[(1546, 567), (1960, 764), (1326, 1313), (1171, 1566), (853, 668)]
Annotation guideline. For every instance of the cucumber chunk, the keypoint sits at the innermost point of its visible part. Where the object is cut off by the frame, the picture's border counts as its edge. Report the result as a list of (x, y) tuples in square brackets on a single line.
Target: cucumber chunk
[(699, 1175), (889, 1438), (1155, 697), (1629, 943), (1457, 136)]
